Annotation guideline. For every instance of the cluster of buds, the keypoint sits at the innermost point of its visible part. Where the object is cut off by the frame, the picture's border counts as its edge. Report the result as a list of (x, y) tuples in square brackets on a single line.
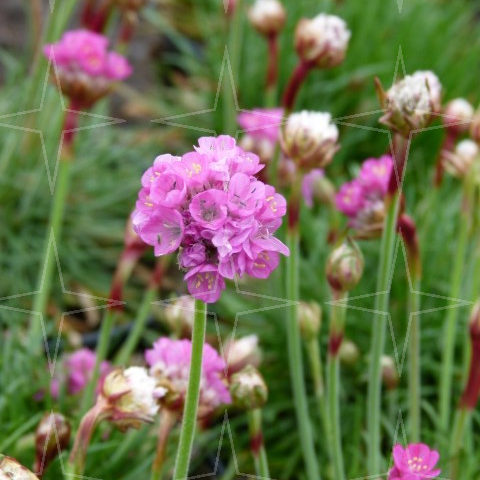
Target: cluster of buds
[(458, 114), (267, 17), (344, 267), (85, 69), (411, 102), (309, 319), (310, 139), (10, 469), (248, 389), (317, 188), (322, 41), (459, 161), (51, 438), (362, 200), (240, 353)]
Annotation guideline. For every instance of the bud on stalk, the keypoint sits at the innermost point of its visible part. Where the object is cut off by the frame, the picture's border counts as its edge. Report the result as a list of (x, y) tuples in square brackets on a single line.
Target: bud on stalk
[(53, 428), (10, 469), (248, 389), (309, 319), (389, 372), (241, 353)]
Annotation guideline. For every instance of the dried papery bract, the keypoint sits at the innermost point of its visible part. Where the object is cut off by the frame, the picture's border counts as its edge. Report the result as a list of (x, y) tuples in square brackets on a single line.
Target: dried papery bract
[(52, 427), (310, 139), (10, 469)]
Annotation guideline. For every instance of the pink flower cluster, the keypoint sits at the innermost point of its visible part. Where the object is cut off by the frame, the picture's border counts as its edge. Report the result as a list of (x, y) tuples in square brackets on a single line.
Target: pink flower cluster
[(415, 462), (77, 371), (83, 51), (262, 123), (169, 362), (362, 199), (209, 203)]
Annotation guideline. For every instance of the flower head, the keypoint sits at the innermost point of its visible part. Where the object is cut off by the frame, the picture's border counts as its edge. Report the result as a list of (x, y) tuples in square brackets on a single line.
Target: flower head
[(242, 352), (362, 199), (459, 162), (344, 266), (210, 204), (267, 16), (458, 114), (410, 103), (310, 139), (414, 462), (169, 362), (10, 469), (248, 389), (85, 69), (322, 40)]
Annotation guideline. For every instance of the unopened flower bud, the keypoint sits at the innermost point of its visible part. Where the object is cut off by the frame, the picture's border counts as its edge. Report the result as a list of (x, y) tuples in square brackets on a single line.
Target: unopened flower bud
[(52, 427), (178, 315), (322, 40), (459, 162), (310, 139), (267, 17), (309, 319), (10, 469), (131, 397), (458, 115), (242, 352), (411, 102), (389, 372), (344, 266), (348, 352), (248, 389), (475, 320)]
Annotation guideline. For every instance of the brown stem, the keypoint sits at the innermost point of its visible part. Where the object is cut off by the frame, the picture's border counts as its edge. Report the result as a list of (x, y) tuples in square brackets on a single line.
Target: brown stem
[(447, 146), (293, 86), (168, 420), (293, 208), (400, 149), (272, 70)]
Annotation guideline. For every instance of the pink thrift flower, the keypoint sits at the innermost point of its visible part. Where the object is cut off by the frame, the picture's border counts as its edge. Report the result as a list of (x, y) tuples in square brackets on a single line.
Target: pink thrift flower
[(415, 462), (375, 174), (210, 205), (262, 123), (85, 69), (307, 185), (350, 198), (169, 362)]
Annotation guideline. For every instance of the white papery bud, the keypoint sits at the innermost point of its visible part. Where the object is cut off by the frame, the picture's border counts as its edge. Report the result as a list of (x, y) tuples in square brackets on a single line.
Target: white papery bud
[(459, 162), (267, 16), (242, 352), (458, 114)]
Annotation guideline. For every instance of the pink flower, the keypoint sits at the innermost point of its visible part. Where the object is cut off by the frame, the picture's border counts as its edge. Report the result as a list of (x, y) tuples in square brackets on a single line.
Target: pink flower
[(362, 199), (308, 183), (262, 123), (209, 204), (415, 462), (84, 66), (169, 362), (77, 371)]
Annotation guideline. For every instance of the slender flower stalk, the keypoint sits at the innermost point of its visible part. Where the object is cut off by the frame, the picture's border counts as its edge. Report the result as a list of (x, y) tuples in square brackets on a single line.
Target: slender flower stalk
[(293, 337), (54, 226), (407, 229), (256, 444), (298, 76), (445, 394), (387, 248), (167, 421), (187, 432)]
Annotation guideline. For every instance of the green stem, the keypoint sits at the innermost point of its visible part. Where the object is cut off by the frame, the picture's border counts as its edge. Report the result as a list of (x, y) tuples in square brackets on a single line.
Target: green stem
[(167, 422), (414, 384), (294, 343), (54, 229), (257, 445), (101, 354), (193, 392), (337, 327), (461, 421), (445, 396), (138, 327), (378, 335)]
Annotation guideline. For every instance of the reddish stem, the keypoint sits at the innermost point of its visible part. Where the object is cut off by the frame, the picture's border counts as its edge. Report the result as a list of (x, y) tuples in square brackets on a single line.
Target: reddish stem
[(334, 343), (400, 148), (293, 86), (256, 443), (272, 70), (407, 229), (447, 146), (472, 390)]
